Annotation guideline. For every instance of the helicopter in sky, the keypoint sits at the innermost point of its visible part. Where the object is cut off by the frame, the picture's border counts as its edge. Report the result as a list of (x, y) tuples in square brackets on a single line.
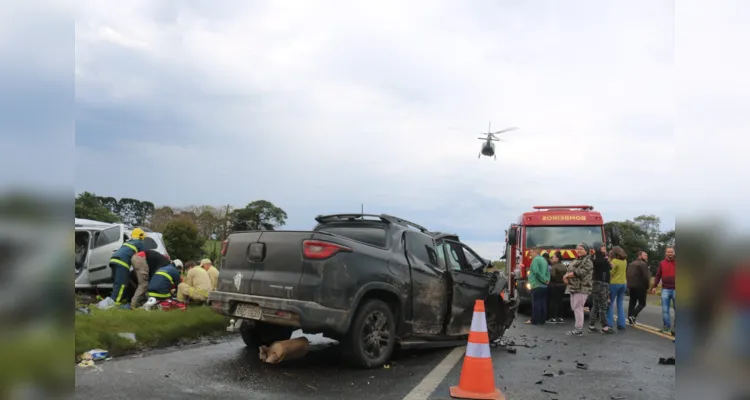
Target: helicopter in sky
[(488, 147)]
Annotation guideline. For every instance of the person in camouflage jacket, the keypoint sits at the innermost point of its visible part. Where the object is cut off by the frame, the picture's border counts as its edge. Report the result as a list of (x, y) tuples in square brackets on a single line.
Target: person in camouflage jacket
[(580, 284)]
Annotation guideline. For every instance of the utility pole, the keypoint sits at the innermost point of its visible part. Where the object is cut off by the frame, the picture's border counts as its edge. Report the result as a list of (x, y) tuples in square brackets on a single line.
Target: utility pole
[(226, 222)]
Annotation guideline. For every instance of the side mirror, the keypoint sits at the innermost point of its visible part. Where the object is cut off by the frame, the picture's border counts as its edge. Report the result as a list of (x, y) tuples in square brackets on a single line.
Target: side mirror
[(614, 236), (513, 236)]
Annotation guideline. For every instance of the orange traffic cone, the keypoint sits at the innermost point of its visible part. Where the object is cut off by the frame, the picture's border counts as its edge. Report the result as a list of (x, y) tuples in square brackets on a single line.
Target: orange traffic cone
[(477, 379)]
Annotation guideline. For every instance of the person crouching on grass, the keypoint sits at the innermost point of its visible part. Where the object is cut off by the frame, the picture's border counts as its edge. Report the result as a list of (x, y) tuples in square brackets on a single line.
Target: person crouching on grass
[(538, 280), (164, 281), (579, 280), (196, 286)]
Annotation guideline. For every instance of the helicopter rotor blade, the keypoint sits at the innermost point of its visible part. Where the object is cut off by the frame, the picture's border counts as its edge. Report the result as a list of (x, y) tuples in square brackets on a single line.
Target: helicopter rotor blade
[(504, 130)]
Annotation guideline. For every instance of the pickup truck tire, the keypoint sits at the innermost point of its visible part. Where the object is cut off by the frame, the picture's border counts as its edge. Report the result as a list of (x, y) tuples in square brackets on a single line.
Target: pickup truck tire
[(372, 335), (259, 334), (495, 324)]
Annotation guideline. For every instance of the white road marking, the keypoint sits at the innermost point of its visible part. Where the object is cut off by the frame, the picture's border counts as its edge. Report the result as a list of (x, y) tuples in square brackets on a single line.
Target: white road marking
[(425, 388)]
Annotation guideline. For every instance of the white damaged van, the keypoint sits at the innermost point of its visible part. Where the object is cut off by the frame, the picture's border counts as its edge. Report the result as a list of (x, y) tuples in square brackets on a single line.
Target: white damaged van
[(95, 241)]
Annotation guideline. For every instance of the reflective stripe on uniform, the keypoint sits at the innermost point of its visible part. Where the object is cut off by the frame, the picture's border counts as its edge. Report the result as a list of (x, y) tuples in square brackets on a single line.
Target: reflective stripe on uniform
[(477, 350), (135, 249), (200, 292), (479, 322), (162, 273), (158, 295), (118, 261), (119, 294)]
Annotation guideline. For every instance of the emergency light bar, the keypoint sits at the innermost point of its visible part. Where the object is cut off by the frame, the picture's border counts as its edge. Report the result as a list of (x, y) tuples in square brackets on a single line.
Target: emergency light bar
[(572, 208)]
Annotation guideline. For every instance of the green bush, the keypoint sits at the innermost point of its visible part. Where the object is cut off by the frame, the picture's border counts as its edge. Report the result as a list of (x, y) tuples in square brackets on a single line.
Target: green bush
[(183, 240)]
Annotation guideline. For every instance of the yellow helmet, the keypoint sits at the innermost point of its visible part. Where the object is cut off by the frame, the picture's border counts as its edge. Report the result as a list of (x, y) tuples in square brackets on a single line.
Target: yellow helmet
[(138, 233)]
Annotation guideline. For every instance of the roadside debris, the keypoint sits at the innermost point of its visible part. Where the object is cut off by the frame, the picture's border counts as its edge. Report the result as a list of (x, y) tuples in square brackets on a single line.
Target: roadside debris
[(290, 349), (666, 361), (83, 310), (582, 366), (89, 358), (95, 355), (512, 351), (105, 304), (127, 335)]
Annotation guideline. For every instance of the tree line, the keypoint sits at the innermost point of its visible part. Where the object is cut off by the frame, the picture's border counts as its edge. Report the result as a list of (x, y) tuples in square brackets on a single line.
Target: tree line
[(186, 229), (210, 220), (644, 233)]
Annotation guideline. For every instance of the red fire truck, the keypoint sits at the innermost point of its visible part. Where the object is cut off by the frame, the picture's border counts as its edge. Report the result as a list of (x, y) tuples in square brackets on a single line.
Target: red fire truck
[(550, 228)]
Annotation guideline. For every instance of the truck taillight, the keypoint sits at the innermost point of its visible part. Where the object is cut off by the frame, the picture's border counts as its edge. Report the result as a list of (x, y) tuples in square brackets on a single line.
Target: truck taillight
[(224, 246), (320, 250)]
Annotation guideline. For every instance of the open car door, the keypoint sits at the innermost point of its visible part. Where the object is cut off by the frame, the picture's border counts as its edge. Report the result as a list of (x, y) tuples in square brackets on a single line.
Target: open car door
[(106, 242), (429, 285), (470, 284)]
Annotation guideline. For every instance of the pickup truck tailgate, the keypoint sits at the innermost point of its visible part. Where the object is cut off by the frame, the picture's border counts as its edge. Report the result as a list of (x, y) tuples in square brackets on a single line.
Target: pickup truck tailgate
[(266, 263)]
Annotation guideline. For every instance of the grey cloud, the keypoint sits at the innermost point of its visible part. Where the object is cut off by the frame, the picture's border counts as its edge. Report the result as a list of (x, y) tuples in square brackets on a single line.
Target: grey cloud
[(365, 120)]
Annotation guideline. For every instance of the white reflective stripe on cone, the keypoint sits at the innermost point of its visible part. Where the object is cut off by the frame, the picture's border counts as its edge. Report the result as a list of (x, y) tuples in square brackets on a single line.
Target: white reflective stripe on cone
[(478, 350), (479, 322)]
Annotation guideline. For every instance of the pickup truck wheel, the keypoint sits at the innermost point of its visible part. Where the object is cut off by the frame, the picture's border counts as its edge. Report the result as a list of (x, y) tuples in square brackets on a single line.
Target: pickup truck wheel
[(260, 334), (495, 325), (372, 335)]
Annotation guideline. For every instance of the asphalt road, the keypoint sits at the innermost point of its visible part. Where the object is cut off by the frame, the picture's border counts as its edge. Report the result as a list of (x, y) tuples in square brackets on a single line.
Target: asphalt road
[(621, 365), (650, 316)]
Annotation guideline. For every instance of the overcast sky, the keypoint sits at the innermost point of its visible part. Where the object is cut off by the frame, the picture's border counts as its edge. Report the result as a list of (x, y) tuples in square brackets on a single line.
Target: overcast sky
[(322, 106)]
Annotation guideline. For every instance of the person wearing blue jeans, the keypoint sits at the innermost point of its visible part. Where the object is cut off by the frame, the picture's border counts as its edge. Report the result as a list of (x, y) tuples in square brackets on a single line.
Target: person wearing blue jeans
[(539, 305), (667, 301), (616, 296), (538, 279), (666, 274), (617, 284)]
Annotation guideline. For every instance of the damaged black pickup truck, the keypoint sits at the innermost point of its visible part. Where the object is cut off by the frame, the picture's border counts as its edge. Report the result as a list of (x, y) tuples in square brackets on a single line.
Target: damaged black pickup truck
[(372, 282)]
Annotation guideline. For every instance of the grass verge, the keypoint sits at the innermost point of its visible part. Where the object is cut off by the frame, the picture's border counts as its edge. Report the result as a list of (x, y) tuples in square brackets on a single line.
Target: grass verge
[(101, 329)]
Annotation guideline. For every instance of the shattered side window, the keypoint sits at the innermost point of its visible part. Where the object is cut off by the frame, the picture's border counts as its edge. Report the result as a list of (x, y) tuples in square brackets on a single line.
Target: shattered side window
[(473, 260), (442, 263), (421, 247), (454, 259)]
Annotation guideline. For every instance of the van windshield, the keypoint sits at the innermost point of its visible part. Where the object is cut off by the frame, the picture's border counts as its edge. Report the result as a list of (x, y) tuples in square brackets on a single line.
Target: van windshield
[(562, 237)]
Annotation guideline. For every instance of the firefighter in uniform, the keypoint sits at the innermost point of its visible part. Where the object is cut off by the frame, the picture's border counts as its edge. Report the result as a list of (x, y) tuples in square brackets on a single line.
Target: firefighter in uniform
[(120, 264), (165, 279), (196, 287), (145, 264)]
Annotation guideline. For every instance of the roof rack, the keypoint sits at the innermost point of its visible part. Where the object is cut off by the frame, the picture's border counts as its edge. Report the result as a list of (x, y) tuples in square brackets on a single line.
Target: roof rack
[(321, 219), (400, 221), (345, 217)]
